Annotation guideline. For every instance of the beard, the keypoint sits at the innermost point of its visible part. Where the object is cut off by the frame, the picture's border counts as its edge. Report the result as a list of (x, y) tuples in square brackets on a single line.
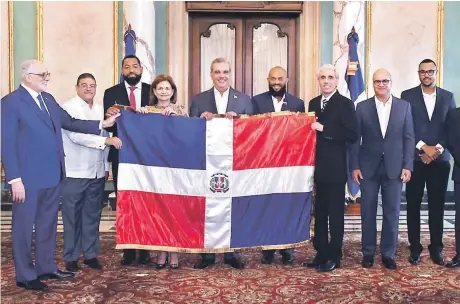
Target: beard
[(132, 81), (275, 93)]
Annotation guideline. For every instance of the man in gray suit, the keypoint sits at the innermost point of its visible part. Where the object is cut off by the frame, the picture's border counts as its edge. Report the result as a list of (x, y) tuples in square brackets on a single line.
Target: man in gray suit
[(383, 158), (221, 99)]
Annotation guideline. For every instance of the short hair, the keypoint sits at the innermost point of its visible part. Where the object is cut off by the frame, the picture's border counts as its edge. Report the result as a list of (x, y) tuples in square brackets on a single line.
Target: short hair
[(327, 67), (25, 66), (427, 61), (221, 60), (128, 57), (84, 76), (160, 78)]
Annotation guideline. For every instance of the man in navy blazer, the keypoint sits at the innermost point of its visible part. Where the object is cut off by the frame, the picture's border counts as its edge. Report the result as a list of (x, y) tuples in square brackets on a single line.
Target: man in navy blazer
[(221, 99), (276, 99), (382, 158), (33, 158), (430, 106)]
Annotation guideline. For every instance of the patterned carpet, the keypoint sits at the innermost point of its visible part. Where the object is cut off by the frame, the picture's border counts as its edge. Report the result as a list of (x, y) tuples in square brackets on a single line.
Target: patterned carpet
[(426, 283)]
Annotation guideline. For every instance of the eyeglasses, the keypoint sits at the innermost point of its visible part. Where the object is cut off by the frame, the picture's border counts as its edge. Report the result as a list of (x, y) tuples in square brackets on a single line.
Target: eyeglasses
[(43, 75), (429, 72), (85, 86), (384, 82)]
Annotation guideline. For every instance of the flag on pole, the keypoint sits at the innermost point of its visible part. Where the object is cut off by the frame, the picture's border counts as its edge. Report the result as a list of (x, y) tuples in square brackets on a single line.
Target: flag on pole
[(187, 184), (355, 82), (130, 44)]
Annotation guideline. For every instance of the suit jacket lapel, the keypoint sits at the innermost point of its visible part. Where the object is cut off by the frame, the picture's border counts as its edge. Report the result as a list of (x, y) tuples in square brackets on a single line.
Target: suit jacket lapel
[(124, 99), (212, 101), (145, 95), (231, 101), (269, 103), (393, 114), (375, 119), (33, 105), (422, 104), (438, 104)]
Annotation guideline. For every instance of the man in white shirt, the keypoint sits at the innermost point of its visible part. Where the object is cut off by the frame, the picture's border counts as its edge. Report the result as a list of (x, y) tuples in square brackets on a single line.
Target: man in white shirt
[(430, 107), (382, 157), (221, 99), (87, 170)]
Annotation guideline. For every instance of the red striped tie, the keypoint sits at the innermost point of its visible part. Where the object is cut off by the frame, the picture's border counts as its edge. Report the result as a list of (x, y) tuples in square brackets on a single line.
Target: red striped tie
[(132, 98)]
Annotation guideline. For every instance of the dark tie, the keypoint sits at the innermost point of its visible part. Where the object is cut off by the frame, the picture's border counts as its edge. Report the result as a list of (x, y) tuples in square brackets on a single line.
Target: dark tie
[(324, 104), (42, 105), (132, 98)]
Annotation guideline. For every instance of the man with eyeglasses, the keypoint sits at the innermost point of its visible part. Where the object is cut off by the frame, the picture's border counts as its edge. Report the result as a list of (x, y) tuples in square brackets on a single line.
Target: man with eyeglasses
[(87, 170), (382, 158), (33, 158), (430, 106)]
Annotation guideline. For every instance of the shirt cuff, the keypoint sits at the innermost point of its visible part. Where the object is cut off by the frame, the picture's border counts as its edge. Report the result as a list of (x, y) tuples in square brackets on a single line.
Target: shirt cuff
[(101, 144), (15, 180), (420, 144), (100, 125), (440, 148)]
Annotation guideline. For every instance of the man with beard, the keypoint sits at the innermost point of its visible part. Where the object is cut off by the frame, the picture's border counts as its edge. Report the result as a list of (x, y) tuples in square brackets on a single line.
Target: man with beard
[(276, 99), (430, 106), (335, 127), (131, 92), (220, 99)]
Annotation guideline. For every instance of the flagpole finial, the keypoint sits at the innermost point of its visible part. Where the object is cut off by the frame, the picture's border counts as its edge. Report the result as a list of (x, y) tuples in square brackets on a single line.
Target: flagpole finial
[(353, 29), (129, 27)]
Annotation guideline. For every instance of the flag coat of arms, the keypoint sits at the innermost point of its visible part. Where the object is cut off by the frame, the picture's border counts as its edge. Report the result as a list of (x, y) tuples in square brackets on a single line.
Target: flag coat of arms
[(187, 184)]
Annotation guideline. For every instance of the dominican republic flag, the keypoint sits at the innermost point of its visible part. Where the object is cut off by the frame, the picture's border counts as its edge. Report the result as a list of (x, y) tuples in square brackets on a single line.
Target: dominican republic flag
[(191, 185)]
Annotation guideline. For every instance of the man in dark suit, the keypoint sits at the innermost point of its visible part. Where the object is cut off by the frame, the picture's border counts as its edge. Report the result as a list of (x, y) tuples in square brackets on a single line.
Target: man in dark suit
[(453, 144), (33, 157), (430, 105), (276, 99), (335, 127), (134, 93), (221, 99), (382, 157)]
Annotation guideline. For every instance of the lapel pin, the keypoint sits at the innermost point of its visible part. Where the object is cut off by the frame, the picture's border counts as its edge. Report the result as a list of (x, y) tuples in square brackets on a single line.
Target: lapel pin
[(235, 97)]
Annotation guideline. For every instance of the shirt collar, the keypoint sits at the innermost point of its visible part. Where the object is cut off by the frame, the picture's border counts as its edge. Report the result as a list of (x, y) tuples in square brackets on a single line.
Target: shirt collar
[(329, 97), (216, 92), (81, 102), (276, 100), (32, 92), (428, 95), (137, 86), (379, 102)]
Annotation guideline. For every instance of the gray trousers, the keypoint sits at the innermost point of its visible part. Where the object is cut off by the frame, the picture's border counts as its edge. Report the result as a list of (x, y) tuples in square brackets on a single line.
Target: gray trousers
[(391, 202), (81, 214)]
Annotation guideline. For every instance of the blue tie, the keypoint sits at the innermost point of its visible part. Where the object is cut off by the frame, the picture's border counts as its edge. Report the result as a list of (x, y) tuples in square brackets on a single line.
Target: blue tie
[(42, 105)]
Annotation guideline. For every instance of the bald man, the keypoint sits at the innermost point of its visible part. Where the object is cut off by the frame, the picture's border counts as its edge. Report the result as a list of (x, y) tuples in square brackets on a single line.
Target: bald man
[(382, 158), (33, 158), (277, 99)]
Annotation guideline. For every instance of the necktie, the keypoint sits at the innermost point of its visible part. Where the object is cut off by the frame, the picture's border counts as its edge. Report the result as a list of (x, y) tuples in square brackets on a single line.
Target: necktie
[(132, 98), (323, 104), (42, 105)]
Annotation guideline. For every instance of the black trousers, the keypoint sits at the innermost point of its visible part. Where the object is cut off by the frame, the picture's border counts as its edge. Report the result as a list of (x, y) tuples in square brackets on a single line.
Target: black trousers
[(436, 177), (329, 211), (457, 217), (128, 254)]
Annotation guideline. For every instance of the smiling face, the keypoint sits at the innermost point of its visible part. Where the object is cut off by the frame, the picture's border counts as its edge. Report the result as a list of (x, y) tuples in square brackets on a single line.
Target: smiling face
[(37, 77), (132, 71), (382, 84), (327, 81), (163, 91), (427, 74), (220, 75), (86, 89)]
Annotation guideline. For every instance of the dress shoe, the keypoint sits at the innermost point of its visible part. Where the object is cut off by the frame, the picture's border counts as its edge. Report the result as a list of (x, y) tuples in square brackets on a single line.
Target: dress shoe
[(58, 275), (234, 262), (145, 260), (368, 261), (454, 263), (287, 258), (312, 263), (267, 258), (33, 285), (203, 264), (389, 263), (72, 266), (437, 258), (127, 261), (329, 266), (93, 263), (414, 258)]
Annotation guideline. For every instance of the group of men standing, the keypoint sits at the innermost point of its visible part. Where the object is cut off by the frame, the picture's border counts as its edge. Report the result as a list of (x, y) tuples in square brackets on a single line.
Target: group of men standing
[(393, 141)]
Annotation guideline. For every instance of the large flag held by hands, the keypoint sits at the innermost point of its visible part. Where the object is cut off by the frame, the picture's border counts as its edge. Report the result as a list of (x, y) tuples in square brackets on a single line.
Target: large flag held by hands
[(187, 184), (354, 79)]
